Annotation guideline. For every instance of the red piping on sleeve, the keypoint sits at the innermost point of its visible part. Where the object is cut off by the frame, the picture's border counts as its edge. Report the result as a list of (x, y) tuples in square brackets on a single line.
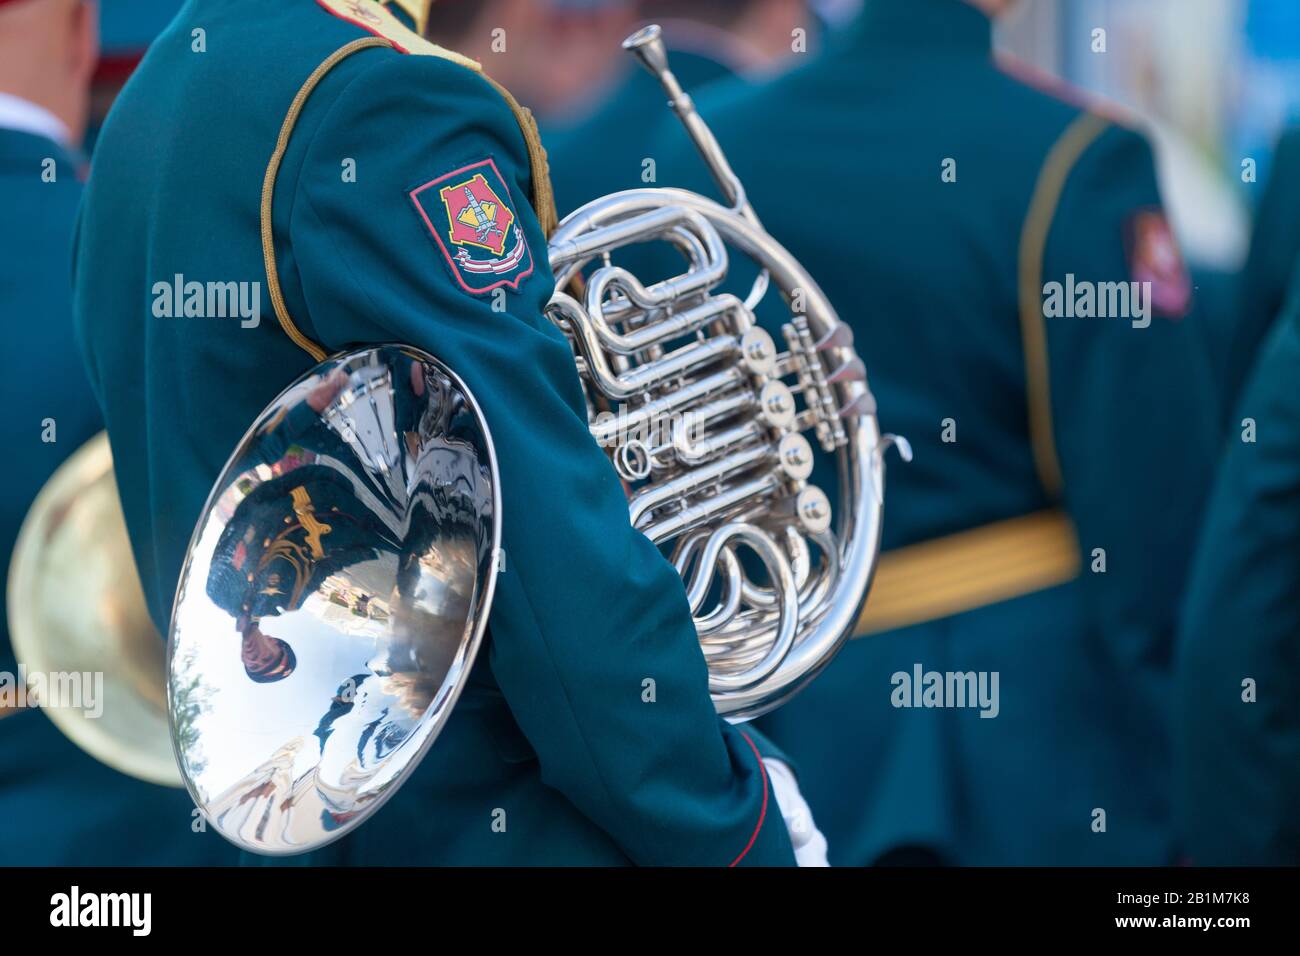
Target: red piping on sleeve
[(762, 813)]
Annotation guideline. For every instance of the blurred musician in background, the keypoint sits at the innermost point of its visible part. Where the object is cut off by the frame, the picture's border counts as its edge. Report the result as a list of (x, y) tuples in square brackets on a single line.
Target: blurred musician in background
[(60, 806), (1041, 534), (560, 54), (1237, 728)]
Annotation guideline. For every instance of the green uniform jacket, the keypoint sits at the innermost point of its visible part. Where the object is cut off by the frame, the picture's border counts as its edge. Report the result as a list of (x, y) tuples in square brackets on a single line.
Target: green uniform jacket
[(587, 720), (1238, 671), (58, 805), (933, 197)]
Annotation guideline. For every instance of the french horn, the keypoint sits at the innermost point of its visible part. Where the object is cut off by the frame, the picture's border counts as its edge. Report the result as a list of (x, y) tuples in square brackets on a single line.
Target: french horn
[(715, 431)]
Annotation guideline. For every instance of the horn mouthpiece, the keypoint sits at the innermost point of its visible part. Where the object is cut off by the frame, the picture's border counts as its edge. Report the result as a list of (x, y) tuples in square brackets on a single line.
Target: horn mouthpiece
[(648, 46)]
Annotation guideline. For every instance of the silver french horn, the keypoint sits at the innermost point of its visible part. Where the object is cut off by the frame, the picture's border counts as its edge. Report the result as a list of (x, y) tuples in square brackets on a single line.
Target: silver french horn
[(340, 577), (710, 425)]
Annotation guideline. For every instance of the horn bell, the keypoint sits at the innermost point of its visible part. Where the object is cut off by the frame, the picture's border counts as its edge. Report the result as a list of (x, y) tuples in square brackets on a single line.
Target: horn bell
[(79, 624), (333, 599)]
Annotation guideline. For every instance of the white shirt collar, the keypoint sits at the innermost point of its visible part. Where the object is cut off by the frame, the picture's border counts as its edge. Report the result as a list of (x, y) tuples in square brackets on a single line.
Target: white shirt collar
[(24, 116)]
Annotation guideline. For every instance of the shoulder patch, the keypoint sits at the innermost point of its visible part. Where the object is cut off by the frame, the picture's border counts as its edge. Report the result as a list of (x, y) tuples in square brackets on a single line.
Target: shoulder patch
[(471, 216), (1154, 257)]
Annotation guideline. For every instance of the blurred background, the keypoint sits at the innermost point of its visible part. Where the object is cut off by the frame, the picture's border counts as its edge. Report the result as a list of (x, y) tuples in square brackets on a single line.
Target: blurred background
[(1213, 81)]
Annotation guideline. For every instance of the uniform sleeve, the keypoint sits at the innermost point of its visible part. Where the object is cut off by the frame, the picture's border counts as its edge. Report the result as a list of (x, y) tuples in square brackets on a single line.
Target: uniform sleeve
[(591, 638), (1133, 407)]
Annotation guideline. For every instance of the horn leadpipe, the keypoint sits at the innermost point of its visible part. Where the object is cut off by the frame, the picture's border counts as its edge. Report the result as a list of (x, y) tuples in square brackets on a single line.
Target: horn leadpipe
[(647, 45)]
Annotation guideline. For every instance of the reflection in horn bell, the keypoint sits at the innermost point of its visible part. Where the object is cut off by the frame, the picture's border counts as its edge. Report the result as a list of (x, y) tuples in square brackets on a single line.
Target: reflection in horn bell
[(77, 611)]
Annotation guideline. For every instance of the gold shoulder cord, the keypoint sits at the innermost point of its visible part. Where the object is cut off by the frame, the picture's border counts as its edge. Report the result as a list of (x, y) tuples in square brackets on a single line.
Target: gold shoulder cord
[(1076, 139), (268, 191), (543, 194), (390, 32)]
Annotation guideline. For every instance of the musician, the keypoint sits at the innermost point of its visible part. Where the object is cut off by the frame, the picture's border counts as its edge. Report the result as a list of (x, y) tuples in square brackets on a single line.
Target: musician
[(60, 806), (586, 733), (1238, 676), (1041, 532)]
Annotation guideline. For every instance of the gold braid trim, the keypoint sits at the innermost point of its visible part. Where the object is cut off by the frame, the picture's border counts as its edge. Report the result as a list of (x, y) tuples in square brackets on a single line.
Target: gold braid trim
[(268, 191), (543, 193), (390, 32), (1076, 139)]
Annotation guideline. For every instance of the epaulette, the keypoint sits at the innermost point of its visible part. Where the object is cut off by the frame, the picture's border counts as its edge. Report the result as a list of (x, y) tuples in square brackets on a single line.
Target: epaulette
[(375, 17)]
